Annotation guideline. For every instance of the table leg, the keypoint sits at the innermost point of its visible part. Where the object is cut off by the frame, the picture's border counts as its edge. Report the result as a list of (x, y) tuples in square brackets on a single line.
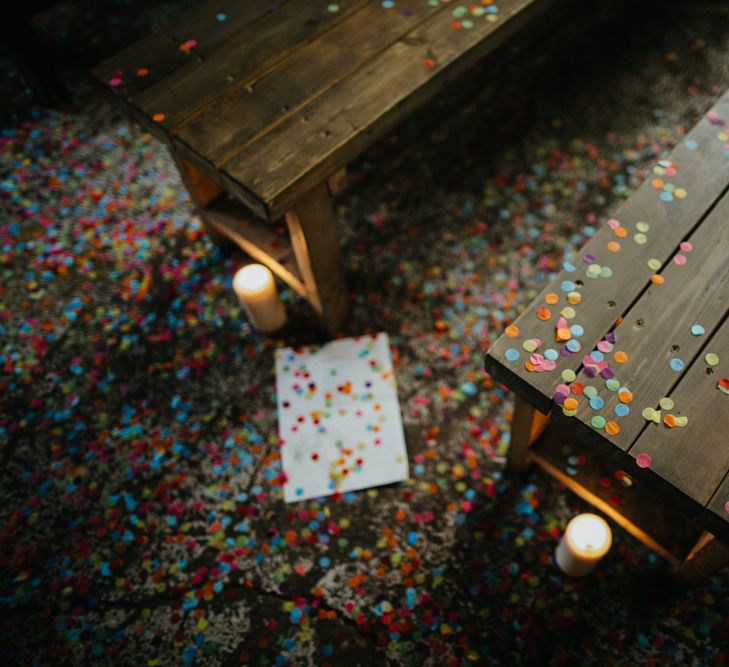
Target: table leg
[(707, 556), (526, 426), (202, 190), (315, 243)]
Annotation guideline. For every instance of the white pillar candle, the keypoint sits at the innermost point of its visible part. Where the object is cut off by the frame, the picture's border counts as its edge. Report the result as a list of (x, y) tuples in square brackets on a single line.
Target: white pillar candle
[(586, 540), (256, 290)]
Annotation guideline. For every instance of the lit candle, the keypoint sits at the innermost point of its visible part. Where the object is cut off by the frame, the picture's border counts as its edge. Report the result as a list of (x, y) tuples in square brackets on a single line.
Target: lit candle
[(586, 540), (256, 290)]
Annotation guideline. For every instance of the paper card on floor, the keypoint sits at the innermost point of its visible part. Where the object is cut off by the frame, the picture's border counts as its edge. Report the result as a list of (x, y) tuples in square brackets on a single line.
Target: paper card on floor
[(339, 417)]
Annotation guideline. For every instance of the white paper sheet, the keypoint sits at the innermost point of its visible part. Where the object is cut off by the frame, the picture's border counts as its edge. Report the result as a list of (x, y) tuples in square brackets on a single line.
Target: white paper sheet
[(339, 418)]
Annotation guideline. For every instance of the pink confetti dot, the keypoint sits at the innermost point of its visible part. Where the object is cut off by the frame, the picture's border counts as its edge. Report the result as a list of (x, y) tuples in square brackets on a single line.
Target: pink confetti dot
[(643, 460), (115, 82), (726, 506), (686, 246), (679, 259), (613, 223)]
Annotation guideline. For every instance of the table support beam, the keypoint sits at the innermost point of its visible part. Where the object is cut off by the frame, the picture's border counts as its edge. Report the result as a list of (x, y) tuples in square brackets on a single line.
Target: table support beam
[(707, 556), (315, 242), (526, 426)]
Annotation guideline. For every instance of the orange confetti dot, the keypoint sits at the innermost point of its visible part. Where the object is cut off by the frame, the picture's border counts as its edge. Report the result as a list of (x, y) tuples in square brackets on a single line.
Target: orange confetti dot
[(613, 246), (620, 357), (657, 279), (570, 404), (620, 232), (142, 71), (669, 420), (577, 388), (158, 117), (512, 331), (544, 313), (528, 366), (657, 183), (612, 428), (551, 298), (625, 396), (563, 334), (429, 63)]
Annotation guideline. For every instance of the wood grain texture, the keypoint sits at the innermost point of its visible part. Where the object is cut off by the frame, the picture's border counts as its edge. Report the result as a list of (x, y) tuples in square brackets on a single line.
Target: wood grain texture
[(657, 329), (692, 460), (298, 154), (245, 113), (704, 174), (160, 52), (197, 87), (527, 425), (315, 242)]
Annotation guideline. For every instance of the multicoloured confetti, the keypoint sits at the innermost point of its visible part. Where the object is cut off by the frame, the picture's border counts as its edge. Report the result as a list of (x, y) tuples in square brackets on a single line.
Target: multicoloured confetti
[(143, 519)]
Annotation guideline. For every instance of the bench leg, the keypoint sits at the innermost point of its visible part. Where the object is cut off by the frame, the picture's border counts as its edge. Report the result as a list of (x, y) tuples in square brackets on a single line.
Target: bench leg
[(202, 190), (526, 426), (315, 243), (707, 556)]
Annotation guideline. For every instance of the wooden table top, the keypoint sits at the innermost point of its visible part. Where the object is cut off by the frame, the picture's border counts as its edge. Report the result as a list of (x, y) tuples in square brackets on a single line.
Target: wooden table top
[(274, 98), (631, 340)]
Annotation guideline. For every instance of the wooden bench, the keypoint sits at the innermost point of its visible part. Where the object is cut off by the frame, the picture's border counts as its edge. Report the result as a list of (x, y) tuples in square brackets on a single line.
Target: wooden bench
[(622, 362), (264, 105)]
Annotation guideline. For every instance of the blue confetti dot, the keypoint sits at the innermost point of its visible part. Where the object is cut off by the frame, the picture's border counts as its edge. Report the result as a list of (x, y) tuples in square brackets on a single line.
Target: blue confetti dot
[(597, 355), (622, 410), (666, 196), (569, 267), (697, 330), (573, 345), (596, 403), (691, 144), (567, 286), (512, 354), (676, 364), (551, 354), (576, 330)]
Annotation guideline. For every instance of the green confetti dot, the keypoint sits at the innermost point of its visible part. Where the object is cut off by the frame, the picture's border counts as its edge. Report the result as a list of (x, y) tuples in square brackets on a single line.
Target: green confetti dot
[(606, 272), (593, 271), (530, 345), (640, 239), (333, 8), (654, 264), (598, 422), (612, 384), (568, 375), (666, 403), (711, 359), (590, 392), (642, 226), (568, 312)]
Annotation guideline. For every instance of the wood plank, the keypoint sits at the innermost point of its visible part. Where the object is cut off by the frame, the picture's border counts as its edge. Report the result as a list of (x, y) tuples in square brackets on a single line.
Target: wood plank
[(257, 238), (703, 172), (690, 462), (631, 504), (160, 52), (245, 113), (240, 61), (298, 154), (715, 518), (315, 242), (657, 330)]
